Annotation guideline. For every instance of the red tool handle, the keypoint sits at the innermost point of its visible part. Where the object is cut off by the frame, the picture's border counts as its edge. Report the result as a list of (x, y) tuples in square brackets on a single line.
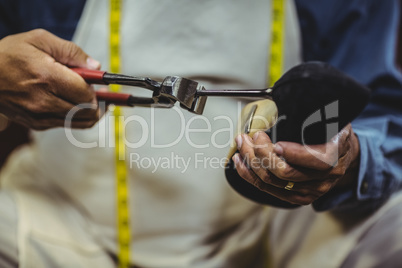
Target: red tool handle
[(91, 76), (96, 77), (120, 99)]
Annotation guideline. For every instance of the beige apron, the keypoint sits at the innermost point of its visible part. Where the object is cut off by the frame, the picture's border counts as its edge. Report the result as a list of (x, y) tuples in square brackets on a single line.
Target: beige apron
[(182, 215)]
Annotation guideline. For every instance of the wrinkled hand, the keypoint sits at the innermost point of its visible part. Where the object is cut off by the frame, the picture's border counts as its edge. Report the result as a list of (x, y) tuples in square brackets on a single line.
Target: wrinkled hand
[(37, 89), (314, 170)]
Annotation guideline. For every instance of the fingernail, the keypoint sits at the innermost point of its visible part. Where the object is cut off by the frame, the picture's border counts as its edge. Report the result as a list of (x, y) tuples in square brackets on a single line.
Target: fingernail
[(278, 149), (235, 158), (239, 141), (255, 136), (93, 64)]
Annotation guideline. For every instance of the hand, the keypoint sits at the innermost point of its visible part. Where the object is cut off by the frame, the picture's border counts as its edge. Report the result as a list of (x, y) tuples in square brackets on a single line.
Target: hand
[(37, 89), (314, 169)]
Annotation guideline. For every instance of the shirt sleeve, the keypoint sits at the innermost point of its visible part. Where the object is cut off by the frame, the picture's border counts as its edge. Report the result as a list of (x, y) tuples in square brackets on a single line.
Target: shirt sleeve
[(8, 19), (361, 41), (359, 38), (58, 17)]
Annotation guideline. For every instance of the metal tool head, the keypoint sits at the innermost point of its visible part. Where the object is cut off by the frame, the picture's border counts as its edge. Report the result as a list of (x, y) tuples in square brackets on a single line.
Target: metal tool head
[(184, 91), (198, 102)]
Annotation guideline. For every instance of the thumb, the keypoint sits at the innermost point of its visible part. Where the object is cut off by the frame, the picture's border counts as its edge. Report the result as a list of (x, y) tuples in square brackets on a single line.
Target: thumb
[(63, 51)]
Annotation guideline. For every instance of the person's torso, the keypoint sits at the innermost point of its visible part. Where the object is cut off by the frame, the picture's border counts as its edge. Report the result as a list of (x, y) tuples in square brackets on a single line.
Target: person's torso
[(179, 197)]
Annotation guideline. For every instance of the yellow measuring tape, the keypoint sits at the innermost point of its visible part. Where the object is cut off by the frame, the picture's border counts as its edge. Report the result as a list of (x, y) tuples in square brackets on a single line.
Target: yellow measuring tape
[(275, 67), (275, 62), (122, 184)]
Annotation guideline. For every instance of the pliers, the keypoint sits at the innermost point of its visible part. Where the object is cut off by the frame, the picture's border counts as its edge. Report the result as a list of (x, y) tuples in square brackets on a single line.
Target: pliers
[(172, 89)]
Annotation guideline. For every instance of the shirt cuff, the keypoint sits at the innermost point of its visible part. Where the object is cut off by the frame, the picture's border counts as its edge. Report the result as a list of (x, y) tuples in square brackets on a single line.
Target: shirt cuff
[(369, 181), (369, 184)]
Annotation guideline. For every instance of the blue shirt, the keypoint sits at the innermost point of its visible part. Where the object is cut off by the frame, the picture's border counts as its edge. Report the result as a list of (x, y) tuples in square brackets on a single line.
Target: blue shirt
[(356, 36), (58, 17), (360, 38)]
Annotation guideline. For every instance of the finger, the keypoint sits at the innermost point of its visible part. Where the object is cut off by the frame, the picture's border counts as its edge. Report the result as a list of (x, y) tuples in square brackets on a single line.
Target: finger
[(342, 138), (263, 150), (285, 195), (243, 170), (63, 51), (245, 147), (259, 165), (261, 144), (259, 157), (311, 188), (269, 161), (259, 162), (34, 113), (343, 164), (48, 107), (320, 157), (53, 54), (55, 122), (246, 173), (70, 86), (83, 112), (49, 122), (45, 104)]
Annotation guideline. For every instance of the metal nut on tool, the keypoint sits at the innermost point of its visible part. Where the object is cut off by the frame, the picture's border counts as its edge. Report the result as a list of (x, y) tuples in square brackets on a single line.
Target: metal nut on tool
[(199, 102), (180, 89)]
